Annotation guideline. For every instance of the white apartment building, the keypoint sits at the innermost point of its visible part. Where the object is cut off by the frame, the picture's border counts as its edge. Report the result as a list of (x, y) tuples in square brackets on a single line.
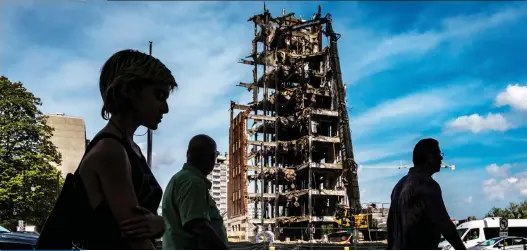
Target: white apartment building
[(219, 177)]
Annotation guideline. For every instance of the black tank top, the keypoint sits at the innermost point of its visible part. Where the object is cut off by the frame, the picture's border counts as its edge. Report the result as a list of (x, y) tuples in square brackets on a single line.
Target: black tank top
[(100, 230)]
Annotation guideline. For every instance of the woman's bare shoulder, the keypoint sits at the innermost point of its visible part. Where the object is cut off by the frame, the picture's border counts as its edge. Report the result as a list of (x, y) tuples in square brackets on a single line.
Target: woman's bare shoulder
[(107, 155)]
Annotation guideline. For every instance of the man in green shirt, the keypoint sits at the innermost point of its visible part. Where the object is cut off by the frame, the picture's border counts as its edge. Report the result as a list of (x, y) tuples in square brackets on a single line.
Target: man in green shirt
[(192, 219)]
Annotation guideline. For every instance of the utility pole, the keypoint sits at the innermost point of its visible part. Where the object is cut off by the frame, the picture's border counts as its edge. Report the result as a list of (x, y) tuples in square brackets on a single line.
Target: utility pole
[(149, 134)]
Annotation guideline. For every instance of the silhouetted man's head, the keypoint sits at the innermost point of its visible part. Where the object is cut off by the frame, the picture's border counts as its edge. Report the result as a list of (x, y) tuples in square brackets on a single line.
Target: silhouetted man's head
[(427, 155), (202, 153)]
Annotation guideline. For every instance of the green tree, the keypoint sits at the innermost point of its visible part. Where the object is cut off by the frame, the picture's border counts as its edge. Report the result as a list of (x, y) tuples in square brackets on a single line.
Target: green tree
[(29, 179), (513, 211)]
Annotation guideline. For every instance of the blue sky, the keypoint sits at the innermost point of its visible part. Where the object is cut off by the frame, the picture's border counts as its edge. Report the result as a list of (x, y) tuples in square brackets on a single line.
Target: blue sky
[(455, 71)]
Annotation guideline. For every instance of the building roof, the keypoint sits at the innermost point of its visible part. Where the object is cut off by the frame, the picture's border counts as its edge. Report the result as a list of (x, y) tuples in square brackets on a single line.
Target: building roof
[(61, 114)]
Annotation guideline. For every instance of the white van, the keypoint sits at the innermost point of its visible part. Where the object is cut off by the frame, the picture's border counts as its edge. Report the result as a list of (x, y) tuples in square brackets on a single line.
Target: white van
[(477, 231)]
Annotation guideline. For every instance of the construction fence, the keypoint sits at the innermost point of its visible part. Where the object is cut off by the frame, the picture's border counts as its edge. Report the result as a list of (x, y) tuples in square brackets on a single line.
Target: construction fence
[(306, 246)]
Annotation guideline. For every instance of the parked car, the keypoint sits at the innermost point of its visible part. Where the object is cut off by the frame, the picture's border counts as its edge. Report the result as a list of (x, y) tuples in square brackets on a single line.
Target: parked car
[(505, 243), (27, 232), (17, 241)]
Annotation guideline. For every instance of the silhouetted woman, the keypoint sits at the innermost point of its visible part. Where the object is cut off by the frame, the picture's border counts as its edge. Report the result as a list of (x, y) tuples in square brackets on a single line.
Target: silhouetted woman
[(122, 192)]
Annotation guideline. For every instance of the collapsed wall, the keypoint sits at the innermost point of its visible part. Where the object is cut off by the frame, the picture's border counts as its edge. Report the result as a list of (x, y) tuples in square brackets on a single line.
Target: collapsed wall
[(286, 150)]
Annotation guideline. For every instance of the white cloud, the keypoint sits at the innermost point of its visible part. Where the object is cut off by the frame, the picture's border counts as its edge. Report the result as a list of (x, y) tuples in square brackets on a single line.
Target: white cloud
[(398, 112), (202, 54), (514, 96), (419, 110), (494, 189), (415, 43), (391, 147), (477, 123), (498, 189), (467, 26), (380, 170), (164, 158), (458, 186), (198, 53), (498, 171), (512, 180), (376, 181), (201, 46), (388, 50)]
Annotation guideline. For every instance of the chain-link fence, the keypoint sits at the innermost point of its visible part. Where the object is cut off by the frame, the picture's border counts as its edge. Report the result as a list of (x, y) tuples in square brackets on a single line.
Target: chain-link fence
[(328, 233), (325, 237), (299, 246), (306, 246)]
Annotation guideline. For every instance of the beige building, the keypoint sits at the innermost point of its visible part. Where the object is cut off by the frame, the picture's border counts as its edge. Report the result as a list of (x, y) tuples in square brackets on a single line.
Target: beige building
[(69, 136)]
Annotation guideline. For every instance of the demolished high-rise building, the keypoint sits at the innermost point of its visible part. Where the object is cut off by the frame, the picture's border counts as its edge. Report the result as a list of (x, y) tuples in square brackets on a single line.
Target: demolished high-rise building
[(290, 149)]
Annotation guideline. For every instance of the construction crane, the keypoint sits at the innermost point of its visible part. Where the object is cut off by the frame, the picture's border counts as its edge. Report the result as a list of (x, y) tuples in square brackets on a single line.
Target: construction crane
[(404, 166), (349, 166), (443, 165)]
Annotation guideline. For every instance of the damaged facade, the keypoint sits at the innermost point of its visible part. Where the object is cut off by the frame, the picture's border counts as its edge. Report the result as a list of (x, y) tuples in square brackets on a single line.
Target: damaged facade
[(290, 149)]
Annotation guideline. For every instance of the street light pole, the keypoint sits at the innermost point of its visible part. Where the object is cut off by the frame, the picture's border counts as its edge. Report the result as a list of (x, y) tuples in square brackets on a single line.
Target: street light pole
[(149, 135)]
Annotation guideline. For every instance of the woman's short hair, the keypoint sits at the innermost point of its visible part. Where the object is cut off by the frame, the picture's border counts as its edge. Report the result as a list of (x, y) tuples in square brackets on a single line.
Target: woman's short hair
[(129, 67)]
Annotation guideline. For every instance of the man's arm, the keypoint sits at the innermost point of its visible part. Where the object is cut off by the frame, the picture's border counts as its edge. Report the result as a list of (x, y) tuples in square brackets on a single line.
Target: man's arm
[(209, 238), (392, 214), (193, 207), (436, 212)]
